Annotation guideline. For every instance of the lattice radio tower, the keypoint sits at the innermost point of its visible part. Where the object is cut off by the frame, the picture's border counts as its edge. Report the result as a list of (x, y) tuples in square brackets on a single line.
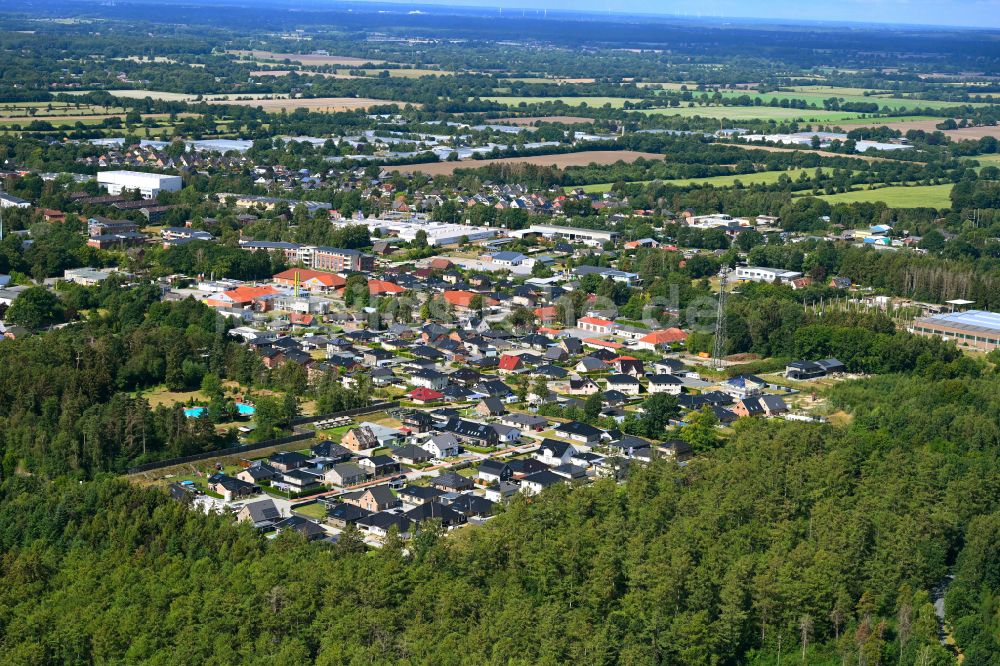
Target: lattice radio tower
[(720, 321)]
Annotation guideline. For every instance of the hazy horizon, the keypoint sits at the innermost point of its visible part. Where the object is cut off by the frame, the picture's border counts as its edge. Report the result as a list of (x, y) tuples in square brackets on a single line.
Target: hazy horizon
[(956, 13)]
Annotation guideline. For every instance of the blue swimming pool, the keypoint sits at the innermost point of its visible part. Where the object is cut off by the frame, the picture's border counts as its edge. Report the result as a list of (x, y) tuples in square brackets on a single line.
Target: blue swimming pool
[(245, 409), (194, 412)]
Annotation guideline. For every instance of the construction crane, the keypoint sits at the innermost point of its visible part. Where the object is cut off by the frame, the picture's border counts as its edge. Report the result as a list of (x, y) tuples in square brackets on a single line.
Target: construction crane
[(720, 321)]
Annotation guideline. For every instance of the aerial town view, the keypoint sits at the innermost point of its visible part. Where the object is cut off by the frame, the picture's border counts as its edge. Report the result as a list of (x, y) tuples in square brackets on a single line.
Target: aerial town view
[(448, 334)]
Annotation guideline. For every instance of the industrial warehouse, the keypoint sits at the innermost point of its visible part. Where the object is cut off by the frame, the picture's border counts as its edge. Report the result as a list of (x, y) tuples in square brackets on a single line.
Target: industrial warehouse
[(973, 328)]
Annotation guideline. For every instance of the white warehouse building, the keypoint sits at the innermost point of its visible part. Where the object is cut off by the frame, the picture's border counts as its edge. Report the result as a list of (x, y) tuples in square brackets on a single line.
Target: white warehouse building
[(148, 184), (762, 274)]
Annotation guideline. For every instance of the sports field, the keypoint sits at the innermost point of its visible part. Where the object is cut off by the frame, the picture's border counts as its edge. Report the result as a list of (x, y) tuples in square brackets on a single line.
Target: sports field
[(919, 196)]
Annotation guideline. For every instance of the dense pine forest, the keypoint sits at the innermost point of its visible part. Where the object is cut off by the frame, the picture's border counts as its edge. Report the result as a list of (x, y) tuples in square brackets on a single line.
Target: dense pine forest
[(800, 542)]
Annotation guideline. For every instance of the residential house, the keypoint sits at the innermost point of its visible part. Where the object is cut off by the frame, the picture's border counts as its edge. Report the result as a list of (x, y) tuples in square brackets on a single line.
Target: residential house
[(285, 461), (506, 434), (492, 471), (345, 514), (443, 445), (412, 455), (590, 364), (375, 498), (262, 514), (570, 472), (585, 386), (257, 473), (805, 370), (523, 421), (378, 358), (749, 406), (445, 515), (451, 482), (378, 466), (494, 388), (472, 506), (662, 339), (384, 435), (230, 487), (425, 396), (380, 524), (417, 495), (344, 474), (773, 405), (307, 528), (299, 480), (490, 407), (743, 386), (554, 452), (626, 384), (471, 431), (627, 365), (331, 451), (431, 379), (665, 384), (497, 492), (360, 439), (580, 432), (509, 364), (539, 481), (550, 371)]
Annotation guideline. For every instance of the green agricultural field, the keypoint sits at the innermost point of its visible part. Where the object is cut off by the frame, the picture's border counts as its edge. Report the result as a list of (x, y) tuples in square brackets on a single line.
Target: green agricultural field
[(830, 91), (755, 113), (817, 97), (615, 102), (762, 177), (887, 120), (986, 160), (899, 196), (405, 72)]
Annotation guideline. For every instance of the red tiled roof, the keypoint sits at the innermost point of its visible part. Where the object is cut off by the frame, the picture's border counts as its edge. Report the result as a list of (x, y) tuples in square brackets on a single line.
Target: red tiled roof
[(424, 394), (597, 342), (509, 362), (664, 337), (596, 321), (307, 275), (463, 299), (247, 294), (379, 287), (547, 313)]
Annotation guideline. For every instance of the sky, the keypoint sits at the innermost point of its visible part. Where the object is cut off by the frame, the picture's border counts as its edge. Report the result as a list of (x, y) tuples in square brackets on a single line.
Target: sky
[(973, 13)]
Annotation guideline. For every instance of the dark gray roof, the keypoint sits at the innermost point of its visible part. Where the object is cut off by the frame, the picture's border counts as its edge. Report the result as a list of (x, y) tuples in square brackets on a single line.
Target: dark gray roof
[(545, 478), (263, 511)]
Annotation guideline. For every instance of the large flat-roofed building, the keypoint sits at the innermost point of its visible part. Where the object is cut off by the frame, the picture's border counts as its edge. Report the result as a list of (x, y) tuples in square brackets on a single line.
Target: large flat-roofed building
[(976, 329), (589, 236), (619, 276), (334, 260), (337, 260), (762, 274), (438, 233), (148, 184)]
